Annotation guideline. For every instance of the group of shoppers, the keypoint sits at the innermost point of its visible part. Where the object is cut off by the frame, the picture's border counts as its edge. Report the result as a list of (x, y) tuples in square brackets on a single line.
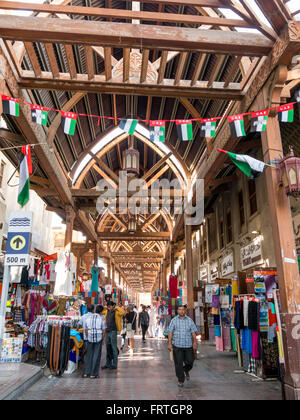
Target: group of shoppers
[(102, 325)]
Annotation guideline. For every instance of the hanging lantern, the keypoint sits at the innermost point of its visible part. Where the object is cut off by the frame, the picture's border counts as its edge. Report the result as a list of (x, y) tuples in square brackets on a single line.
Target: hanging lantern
[(131, 161), (289, 168), (132, 225)]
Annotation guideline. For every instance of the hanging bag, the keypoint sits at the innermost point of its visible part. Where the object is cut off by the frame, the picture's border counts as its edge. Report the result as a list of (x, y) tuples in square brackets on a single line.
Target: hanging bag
[(129, 324)]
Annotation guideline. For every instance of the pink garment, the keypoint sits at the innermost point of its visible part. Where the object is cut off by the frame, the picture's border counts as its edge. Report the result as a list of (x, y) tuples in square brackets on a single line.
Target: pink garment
[(219, 344), (173, 287), (255, 345), (226, 338)]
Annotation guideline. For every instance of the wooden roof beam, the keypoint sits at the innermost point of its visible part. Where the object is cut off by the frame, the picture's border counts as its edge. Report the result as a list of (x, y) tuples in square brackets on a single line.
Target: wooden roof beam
[(125, 14), (116, 86), (156, 166), (145, 60), (198, 68), (105, 168), (89, 62), (71, 61), (126, 64), (274, 14), (33, 59), (52, 59), (107, 60), (162, 67), (133, 36), (180, 67), (216, 70)]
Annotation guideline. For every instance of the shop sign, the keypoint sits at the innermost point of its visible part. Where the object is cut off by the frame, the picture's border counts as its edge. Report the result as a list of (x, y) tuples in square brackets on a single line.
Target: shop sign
[(214, 271), (203, 274), (227, 265), (251, 255), (18, 238)]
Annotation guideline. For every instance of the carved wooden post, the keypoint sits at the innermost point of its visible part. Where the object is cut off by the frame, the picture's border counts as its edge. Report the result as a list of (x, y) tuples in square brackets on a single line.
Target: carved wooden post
[(96, 253), (189, 266), (69, 227), (284, 243)]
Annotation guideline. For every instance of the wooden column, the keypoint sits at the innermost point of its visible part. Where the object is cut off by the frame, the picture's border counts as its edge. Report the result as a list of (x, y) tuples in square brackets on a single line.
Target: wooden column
[(108, 270), (69, 227), (113, 276), (96, 253), (172, 259), (285, 254), (189, 266)]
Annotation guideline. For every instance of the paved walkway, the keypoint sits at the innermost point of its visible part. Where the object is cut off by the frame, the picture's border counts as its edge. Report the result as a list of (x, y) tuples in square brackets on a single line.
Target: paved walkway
[(149, 374)]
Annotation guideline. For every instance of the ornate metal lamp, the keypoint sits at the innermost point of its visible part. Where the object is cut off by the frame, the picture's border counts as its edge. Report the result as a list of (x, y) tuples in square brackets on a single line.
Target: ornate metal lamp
[(132, 225), (289, 174), (131, 161)]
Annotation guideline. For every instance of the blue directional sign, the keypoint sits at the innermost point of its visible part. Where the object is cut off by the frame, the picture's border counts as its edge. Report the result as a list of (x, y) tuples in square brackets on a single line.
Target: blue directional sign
[(18, 238), (18, 242)]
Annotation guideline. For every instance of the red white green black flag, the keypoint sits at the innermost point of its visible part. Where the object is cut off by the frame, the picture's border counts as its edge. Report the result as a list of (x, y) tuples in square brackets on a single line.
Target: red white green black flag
[(68, 122), (10, 106), (286, 113)]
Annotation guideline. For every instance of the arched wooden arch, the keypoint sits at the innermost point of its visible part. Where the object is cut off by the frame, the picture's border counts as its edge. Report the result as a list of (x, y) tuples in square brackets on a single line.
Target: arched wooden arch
[(176, 164)]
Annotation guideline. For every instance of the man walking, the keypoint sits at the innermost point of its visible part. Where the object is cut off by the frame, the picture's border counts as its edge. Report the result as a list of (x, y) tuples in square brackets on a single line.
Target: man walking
[(183, 342), (144, 322)]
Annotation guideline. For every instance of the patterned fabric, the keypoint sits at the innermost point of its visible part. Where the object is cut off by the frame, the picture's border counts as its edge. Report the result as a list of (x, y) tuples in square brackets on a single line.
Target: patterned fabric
[(95, 325), (182, 330)]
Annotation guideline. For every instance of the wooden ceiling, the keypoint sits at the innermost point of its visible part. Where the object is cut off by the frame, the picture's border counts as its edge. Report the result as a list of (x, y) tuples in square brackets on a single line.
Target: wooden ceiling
[(163, 59)]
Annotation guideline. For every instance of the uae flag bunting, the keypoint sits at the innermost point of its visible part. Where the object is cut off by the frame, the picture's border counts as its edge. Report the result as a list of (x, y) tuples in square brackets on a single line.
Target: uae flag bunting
[(39, 114), (184, 129), (236, 124), (23, 195), (286, 113), (259, 121), (251, 167), (10, 106), (68, 122), (208, 127), (157, 130), (128, 125)]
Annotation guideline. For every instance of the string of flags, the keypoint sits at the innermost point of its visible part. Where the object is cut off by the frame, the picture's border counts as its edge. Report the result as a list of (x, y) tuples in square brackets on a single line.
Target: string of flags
[(157, 128)]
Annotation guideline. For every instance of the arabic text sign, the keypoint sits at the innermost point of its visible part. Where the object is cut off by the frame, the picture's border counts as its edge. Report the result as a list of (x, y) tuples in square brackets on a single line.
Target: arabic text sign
[(227, 265), (251, 255)]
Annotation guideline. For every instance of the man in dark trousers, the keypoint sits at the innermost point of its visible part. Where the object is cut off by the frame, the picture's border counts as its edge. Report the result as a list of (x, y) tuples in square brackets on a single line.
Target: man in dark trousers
[(144, 322), (183, 342)]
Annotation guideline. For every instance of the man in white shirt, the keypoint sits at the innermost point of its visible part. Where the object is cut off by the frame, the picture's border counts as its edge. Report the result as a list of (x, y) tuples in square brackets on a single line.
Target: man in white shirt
[(95, 333), (83, 319)]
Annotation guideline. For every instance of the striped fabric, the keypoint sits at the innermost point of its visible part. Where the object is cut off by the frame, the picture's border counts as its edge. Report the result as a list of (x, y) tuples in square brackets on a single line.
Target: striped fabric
[(95, 324)]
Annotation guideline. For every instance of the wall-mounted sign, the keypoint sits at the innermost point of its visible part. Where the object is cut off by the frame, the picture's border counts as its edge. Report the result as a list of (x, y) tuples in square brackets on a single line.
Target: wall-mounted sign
[(251, 255), (203, 273), (227, 265), (214, 271)]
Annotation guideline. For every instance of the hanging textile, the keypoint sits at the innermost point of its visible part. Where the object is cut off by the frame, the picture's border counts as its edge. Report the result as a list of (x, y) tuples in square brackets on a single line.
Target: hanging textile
[(65, 272), (95, 279), (173, 286)]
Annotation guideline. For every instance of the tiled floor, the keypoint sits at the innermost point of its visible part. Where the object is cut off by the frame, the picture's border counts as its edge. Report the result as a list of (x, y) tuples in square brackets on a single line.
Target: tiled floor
[(149, 374), (15, 376)]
